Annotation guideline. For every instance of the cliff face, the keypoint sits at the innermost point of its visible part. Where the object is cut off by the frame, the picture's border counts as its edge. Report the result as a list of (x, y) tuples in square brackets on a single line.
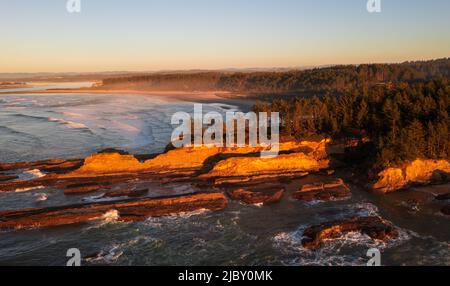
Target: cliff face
[(305, 157), (192, 159), (247, 166), (416, 172), (114, 163)]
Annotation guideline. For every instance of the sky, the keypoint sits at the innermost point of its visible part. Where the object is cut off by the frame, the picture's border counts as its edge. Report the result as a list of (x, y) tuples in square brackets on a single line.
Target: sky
[(145, 35)]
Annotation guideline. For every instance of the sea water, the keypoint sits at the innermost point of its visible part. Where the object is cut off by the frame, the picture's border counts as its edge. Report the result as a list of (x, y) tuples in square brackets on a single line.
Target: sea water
[(43, 126)]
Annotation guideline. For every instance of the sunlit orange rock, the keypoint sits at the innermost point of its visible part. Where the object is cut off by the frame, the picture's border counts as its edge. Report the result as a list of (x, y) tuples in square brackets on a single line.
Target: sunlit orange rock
[(4, 178), (390, 180), (99, 171), (251, 166), (192, 158), (115, 163), (416, 172)]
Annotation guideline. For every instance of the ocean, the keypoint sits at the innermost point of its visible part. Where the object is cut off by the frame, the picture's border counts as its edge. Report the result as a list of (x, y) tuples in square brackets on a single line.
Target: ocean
[(43, 126)]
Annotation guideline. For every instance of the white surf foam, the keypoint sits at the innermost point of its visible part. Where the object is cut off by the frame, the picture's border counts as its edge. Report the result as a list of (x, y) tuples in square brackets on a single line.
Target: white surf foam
[(70, 124), (335, 251), (21, 190), (35, 173), (41, 197)]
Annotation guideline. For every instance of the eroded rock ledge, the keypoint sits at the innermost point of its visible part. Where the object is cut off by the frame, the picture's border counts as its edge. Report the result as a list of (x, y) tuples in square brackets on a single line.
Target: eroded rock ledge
[(253, 195), (53, 166), (373, 226), (122, 210), (212, 164), (323, 191), (223, 161), (245, 166), (416, 172), (446, 210), (117, 175)]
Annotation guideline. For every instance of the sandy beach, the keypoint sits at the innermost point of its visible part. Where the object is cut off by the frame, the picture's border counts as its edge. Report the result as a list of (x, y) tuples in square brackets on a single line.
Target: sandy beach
[(245, 104)]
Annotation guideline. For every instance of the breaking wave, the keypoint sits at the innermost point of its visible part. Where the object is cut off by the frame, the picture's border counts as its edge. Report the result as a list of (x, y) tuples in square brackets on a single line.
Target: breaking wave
[(41, 197), (349, 249), (35, 173), (21, 190), (69, 124)]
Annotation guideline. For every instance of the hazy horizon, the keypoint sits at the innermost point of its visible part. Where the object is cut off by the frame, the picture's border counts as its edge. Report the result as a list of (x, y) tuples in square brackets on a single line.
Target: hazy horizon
[(243, 69), (175, 35)]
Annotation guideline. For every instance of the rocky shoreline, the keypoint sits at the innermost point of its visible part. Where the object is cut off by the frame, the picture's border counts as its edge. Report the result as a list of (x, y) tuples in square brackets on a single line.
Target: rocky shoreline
[(418, 172), (373, 226), (123, 210), (216, 175)]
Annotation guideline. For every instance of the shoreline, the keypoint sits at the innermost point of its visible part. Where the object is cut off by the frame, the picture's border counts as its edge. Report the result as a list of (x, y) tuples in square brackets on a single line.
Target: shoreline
[(243, 103)]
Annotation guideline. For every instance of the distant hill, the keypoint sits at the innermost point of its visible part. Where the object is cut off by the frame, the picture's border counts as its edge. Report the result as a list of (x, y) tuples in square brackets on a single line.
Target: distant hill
[(316, 80), (68, 76)]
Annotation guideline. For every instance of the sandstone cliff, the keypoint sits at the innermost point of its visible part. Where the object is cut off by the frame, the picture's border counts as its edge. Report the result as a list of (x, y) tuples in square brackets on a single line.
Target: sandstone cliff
[(193, 159), (251, 166), (416, 172)]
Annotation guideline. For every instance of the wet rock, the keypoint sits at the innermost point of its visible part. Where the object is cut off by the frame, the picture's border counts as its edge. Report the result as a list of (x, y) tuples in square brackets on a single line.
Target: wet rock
[(83, 188), (51, 166), (328, 172), (258, 194), (412, 205), (131, 193), (123, 210), (75, 185), (4, 178), (251, 180), (322, 191), (373, 226), (113, 150), (443, 197), (446, 210)]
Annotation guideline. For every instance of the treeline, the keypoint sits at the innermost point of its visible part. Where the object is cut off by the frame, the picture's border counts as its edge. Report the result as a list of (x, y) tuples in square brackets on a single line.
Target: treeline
[(402, 109), (320, 80), (404, 121), (177, 81)]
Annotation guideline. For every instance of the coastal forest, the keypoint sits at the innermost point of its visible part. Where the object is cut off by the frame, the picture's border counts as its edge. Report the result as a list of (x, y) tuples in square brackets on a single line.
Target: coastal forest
[(336, 79), (403, 121), (400, 111)]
